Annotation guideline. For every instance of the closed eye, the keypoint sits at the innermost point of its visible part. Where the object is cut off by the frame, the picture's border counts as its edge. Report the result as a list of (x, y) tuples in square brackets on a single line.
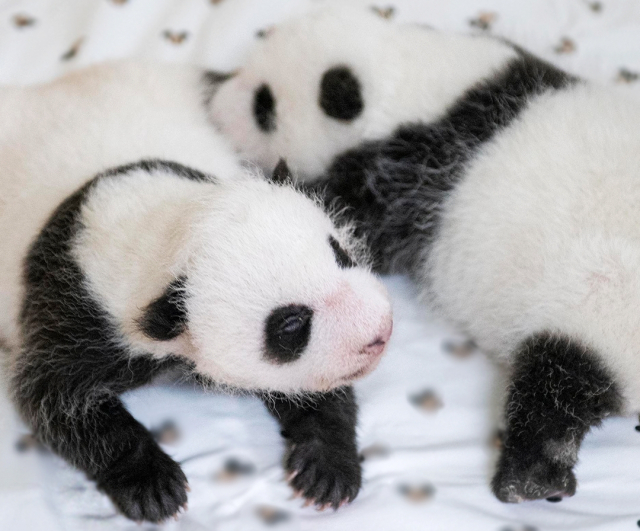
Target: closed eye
[(293, 323), (342, 258), (287, 332)]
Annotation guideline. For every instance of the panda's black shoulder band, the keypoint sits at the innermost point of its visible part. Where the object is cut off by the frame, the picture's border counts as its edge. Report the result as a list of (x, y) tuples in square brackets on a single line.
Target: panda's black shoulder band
[(394, 188)]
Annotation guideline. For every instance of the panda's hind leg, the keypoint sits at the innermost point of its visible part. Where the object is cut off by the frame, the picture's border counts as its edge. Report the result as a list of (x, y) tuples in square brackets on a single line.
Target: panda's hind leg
[(559, 389)]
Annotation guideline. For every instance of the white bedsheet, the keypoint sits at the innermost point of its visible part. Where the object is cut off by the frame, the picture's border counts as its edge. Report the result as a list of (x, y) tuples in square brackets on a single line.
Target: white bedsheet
[(428, 415)]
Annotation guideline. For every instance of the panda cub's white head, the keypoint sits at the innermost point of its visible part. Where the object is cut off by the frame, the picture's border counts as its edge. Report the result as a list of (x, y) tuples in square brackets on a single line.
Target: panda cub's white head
[(302, 94), (274, 296), (322, 83), (249, 280)]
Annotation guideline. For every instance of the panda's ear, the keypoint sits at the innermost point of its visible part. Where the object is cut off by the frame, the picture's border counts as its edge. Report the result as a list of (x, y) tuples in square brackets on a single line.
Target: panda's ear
[(281, 173), (212, 80), (165, 318)]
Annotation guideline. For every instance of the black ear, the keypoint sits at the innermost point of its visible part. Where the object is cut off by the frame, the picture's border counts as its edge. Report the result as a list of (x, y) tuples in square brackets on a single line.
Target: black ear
[(212, 79), (281, 172), (166, 317), (341, 94)]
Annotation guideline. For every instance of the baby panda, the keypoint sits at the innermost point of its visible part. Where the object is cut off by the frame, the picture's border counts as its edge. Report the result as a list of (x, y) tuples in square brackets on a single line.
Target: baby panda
[(116, 265), (506, 188)]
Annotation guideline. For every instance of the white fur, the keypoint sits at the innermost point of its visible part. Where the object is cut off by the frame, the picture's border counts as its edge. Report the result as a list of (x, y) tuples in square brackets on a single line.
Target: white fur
[(543, 233), (405, 72), (245, 246)]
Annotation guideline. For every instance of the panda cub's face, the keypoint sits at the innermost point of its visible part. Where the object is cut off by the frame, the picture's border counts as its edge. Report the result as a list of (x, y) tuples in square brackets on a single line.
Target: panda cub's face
[(302, 94), (274, 297)]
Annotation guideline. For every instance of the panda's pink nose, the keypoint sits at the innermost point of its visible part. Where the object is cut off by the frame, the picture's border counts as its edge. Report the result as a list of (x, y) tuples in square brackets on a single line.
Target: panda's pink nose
[(376, 347)]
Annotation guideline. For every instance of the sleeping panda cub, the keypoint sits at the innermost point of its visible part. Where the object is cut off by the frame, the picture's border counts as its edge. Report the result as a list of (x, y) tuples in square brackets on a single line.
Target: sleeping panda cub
[(506, 188), (116, 265)]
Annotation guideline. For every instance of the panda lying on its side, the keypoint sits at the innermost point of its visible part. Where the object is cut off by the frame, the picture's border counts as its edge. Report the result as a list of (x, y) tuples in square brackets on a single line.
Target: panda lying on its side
[(106, 281), (508, 189)]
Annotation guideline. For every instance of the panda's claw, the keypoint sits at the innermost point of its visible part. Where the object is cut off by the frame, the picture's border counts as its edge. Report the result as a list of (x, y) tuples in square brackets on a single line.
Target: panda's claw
[(323, 475), (147, 485)]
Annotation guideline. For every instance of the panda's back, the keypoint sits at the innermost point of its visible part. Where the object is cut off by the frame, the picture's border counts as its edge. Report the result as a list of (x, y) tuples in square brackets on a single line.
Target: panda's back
[(543, 230), (56, 136)]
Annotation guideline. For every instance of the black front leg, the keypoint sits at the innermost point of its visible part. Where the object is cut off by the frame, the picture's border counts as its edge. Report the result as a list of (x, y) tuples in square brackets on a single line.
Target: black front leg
[(322, 457), (143, 482), (75, 411), (559, 390)]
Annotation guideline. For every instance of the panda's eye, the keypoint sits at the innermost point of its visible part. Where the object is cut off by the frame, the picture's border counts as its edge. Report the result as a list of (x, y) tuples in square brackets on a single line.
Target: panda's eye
[(264, 108), (342, 258), (293, 323), (287, 332)]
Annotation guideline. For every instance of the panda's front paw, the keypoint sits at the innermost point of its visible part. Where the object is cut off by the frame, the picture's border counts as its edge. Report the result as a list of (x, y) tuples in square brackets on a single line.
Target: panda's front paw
[(324, 474), (146, 485), (517, 480)]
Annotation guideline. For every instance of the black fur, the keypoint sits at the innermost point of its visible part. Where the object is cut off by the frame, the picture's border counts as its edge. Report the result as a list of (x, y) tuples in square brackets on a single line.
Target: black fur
[(281, 173), (394, 187), (287, 332), (342, 258), (264, 108), (73, 365), (212, 79), (322, 453), (150, 166), (559, 390), (166, 317), (340, 94)]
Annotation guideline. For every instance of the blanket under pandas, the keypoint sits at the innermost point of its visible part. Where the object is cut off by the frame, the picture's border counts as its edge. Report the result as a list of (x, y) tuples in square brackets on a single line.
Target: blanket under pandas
[(134, 243), (506, 188)]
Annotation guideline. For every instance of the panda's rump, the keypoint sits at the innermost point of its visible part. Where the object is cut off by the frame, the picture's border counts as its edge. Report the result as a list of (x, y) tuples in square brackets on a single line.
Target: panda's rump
[(543, 231)]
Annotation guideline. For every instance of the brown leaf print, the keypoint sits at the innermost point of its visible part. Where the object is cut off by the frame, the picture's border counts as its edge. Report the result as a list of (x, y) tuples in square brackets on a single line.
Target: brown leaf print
[(271, 515), (374, 451), (384, 12), (417, 493), (73, 51), (174, 37), (484, 20), (427, 400), (233, 469), (459, 348), (596, 7), (566, 45), (265, 32), (23, 21), (166, 433), (627, 76), (26, 442)]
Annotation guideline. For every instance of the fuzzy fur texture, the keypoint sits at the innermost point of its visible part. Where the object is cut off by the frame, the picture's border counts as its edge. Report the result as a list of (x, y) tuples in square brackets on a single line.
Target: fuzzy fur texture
[(154, 265), (338, 76), (507, 189), (559, 390)]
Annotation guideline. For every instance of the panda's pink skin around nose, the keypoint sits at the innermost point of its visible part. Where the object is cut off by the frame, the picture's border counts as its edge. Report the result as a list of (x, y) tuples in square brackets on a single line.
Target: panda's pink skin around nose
[(376, 347)]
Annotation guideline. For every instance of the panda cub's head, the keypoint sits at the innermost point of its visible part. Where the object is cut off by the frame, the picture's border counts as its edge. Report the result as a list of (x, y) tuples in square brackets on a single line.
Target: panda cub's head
[(303, 93), (275, 297), (249, 280)]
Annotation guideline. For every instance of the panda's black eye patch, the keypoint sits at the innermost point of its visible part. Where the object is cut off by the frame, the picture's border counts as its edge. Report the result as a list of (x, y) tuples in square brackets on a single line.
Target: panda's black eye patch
[(287, 332), (343, 259), (264, 108), (340, 94), (165, 318)]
